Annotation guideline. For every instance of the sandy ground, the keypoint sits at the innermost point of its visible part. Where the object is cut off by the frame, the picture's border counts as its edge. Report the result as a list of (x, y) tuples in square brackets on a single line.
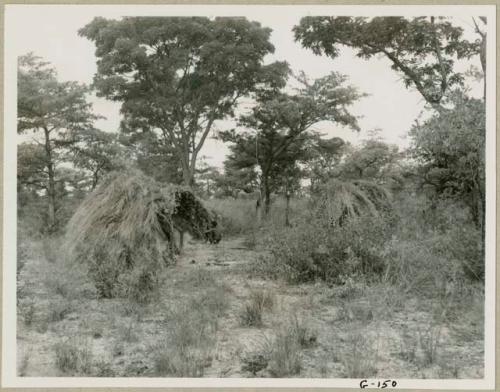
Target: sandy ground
[(370, 330)]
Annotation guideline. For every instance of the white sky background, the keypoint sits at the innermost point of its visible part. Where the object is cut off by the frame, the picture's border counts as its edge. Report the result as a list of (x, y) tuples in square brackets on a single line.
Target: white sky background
[(390, 106)]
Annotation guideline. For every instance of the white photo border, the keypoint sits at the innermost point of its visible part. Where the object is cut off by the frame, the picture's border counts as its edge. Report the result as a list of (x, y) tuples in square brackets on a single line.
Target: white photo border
[(12, 14)]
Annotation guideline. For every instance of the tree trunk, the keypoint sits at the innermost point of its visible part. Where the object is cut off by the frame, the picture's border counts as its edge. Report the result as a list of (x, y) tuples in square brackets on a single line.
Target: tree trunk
[(267, 196), (287, 209), (482, 56), (51, 186), (258, 209), (95, 180)]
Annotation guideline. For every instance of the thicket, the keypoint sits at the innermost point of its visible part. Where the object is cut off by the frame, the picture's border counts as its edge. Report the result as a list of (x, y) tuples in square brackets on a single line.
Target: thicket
[(418, 243)]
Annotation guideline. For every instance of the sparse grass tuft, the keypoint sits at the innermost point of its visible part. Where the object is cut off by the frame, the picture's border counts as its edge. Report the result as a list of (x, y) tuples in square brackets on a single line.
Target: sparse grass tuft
[(27, 311), (285, 359), (23, 366), (253, 310), (430, 342), (126, 332), (58, 311), (50, 247), (73, 357), (304, 336), (408, 345), (187, 348), (103, 369), (358, 360)]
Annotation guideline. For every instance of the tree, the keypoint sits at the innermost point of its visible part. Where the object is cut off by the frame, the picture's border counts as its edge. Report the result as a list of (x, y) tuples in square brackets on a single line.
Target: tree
[(97, 152), (450, 148), (482, 49), (324, 159), (177, 76), (55, 111), (374, 160), (422, 49), (279, 126), (206, 178)]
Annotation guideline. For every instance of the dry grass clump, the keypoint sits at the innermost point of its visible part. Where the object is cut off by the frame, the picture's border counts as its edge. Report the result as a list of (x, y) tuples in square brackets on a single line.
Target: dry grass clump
[(284, 351), (73, 357), (253, 310), (189, 342), (285, 358), (359, 359), (188, 346), (119, 231)]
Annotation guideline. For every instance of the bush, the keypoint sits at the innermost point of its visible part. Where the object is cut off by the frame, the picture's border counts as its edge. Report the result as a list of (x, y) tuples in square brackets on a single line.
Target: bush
[(312, 251), (435, 247), (237, 216)]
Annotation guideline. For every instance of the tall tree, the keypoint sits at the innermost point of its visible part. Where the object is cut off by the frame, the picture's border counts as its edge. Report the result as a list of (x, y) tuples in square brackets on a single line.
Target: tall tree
[(482, 48), (97, 152), (450, 148), (324, 158), (278, 127), (176, 76), (55, 111), (374, 160), (422, 49)]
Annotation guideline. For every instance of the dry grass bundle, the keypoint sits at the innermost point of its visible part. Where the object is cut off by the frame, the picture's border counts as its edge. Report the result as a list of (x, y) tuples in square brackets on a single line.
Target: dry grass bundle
[(123, 232), (341, 200)]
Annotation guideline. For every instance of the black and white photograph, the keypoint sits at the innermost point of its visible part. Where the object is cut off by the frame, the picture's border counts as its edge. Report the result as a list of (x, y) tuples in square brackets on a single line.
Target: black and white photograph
[(254, 196)]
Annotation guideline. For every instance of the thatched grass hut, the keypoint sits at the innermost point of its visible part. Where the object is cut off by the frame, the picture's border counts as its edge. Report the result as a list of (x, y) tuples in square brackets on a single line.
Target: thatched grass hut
[(124, 231)]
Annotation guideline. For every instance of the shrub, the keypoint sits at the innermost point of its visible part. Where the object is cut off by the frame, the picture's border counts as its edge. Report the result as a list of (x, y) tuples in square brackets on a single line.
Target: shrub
[(436, 242), (312, 251), (255, 362), (237, 216)]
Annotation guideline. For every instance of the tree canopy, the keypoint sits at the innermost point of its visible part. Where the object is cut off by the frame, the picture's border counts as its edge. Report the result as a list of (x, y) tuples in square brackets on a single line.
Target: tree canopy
[(278, 127), (56, 112), (177, 76), (450, 149), (422, 49)]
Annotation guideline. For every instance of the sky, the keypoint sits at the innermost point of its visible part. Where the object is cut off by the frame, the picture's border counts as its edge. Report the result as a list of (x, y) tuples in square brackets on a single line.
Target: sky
[(388, 106)]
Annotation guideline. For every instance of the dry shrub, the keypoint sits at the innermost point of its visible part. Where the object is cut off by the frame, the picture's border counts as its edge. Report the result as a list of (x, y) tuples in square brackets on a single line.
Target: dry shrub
[(343, 236), (120, 232), (434, 249)]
